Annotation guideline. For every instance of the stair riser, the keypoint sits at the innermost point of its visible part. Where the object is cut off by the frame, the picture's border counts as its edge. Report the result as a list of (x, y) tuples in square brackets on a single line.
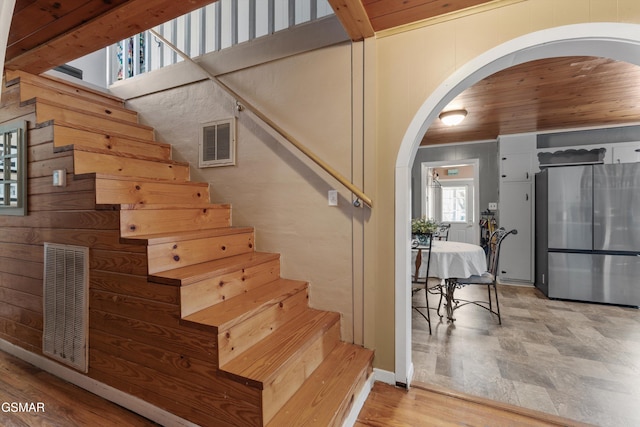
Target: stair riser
[(87, 162), (141, 222), (46, 112), (65, 87), (29, 91), (240, 337), (327, 395), (167, 256), (64, 136), (212, 291), (117, 192), (289, 380)]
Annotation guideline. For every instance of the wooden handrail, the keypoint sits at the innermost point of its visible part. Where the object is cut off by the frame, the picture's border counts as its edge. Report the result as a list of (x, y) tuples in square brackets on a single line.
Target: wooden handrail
[(360, 195)]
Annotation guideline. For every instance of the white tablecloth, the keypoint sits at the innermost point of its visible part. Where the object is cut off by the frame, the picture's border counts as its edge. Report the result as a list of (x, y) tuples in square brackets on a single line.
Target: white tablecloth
[(451, 260)]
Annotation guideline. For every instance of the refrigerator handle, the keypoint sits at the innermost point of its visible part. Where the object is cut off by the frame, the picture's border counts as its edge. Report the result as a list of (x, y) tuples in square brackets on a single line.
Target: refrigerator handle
[(526, 197)]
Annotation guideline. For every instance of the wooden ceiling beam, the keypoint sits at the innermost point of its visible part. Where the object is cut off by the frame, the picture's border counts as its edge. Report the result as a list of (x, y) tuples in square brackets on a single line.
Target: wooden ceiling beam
[(125, 20), (50, 20), (354, 18)]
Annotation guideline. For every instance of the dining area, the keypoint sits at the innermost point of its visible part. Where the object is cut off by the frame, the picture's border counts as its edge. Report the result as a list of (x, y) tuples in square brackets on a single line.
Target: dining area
[(440, 267)]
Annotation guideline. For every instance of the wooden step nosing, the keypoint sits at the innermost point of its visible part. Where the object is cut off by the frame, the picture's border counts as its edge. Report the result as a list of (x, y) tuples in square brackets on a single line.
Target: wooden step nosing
[(283, 289), (176, 206), (313, 330), (125, 155), (93, 107), (109, 133), (159, 239), (231, 264), (135, 179), (257, 308), (82, 97), (95, 115), (354, 368), (47, 80)]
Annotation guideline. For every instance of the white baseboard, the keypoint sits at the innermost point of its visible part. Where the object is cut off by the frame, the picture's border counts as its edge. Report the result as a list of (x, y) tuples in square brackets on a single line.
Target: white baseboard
[(114, 395), (383, 376)]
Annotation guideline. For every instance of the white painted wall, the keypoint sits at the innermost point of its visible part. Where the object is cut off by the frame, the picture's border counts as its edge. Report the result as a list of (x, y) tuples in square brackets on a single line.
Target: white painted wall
[(94, 67)]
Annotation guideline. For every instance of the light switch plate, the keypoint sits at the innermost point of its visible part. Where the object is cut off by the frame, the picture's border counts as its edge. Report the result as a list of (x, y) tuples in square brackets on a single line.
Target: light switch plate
[(493, 206), (60, 178), (333, 197)]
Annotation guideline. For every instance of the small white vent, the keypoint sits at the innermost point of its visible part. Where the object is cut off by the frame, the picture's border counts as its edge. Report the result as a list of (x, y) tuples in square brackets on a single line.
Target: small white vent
[(218, 144), (66, 304)]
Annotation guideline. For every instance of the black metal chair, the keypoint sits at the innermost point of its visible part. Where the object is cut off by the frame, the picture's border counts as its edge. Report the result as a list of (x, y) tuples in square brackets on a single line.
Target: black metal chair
[(443, 232), (489, 278), (419, 283)]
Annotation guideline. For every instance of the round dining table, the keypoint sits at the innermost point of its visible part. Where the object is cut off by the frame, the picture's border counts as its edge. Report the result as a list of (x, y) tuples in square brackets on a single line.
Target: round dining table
[(449, 261)]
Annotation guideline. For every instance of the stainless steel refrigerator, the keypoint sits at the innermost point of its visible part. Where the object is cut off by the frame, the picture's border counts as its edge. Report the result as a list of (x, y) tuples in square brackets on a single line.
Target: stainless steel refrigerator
[(588, 233)]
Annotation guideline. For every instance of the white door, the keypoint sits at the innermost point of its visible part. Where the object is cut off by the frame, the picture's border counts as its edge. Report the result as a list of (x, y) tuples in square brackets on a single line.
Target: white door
[(456, 206), (460, 206)]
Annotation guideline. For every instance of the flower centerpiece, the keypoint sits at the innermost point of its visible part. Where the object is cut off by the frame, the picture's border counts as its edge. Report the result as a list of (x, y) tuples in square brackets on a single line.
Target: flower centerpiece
[(421, 228)]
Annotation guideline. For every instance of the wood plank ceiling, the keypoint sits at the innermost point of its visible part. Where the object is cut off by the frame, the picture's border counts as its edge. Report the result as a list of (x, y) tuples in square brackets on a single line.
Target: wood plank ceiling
[(48, 33), (548, 94)]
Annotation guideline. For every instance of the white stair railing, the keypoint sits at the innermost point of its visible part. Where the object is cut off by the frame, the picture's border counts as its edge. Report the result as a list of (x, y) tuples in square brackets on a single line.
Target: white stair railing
[(217, 26)]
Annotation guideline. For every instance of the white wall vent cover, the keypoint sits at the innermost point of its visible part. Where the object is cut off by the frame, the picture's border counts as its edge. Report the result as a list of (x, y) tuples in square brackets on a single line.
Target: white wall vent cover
[(66, 304), (218, 144)]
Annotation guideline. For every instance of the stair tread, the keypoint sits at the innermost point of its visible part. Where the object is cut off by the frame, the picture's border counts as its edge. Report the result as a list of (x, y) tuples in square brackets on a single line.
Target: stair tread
[(265, 359), (128, 156), (174, 206), (98, 175), (195, 273), (14, 76), (92, 114), (234, 310), (109, 133), (157, 239), (79, 103), (322, 396)]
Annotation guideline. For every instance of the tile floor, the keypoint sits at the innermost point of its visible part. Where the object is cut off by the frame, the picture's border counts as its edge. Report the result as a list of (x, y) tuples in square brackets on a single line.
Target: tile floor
[(576, 360)]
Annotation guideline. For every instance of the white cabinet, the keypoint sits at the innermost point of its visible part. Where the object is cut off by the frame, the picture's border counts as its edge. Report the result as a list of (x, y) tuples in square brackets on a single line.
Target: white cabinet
[(516, 167), (516, 204), (516, 162), (626, 153)]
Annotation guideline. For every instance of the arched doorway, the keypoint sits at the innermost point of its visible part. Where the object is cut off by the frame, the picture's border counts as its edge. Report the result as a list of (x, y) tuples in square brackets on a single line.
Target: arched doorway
[(615, 41)]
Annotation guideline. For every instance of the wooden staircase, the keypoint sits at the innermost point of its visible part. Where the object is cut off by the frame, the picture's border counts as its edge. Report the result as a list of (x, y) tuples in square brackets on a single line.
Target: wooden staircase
[(266, 336)]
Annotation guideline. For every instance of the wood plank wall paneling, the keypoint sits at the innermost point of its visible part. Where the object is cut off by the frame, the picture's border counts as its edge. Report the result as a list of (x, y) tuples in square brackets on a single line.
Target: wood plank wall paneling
[(138, 343)]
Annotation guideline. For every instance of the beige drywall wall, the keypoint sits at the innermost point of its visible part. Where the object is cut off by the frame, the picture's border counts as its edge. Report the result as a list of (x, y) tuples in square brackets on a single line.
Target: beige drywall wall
[(273, 188), (410, 66)]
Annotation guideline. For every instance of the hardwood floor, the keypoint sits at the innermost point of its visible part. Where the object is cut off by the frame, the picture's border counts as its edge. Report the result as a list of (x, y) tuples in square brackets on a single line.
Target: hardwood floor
[(389, 406), (576, 360), (59, 403), (55, 401)]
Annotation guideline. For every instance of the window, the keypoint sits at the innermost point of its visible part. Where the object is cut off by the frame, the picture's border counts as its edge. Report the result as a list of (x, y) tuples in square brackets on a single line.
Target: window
[(13, 169), (217, 144), (454, 204)]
